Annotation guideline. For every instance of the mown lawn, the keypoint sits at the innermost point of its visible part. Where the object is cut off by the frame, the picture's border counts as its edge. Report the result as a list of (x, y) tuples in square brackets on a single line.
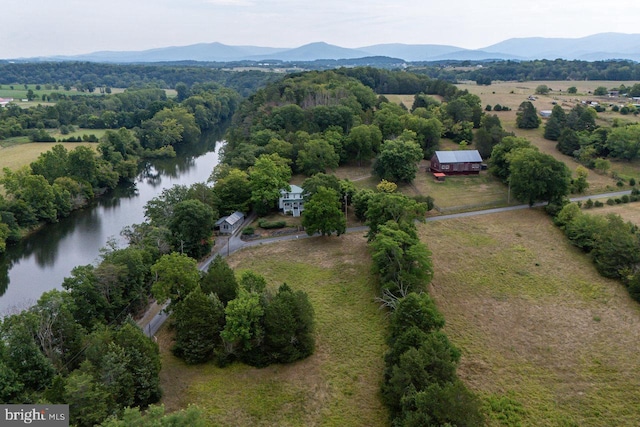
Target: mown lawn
[(544, 337), (338, 385)]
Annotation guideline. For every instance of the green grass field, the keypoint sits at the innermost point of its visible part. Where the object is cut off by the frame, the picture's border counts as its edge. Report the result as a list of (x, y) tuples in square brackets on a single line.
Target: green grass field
[(16, 156), (338, 385)]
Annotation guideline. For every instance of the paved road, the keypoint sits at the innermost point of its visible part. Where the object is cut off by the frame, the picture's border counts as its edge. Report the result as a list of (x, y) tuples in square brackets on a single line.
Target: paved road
[(234, 243)]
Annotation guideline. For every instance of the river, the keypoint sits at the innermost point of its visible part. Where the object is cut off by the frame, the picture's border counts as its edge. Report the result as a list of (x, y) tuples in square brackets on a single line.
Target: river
[(41, 261)]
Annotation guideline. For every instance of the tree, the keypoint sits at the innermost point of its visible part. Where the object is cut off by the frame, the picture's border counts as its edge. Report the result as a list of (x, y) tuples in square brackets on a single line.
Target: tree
[(542, 89), (580, 183), (243, 324), (398, 160), (441, 405), (233, 192), (617, 248), (527, 116), (536, 177), (600, 91), (313, 183), (362, 142), (267, 177), (252, 282), (322, 213), (383, 207), (176, 275), (155, 416), (555, 124), (288, 326), (191, 226), (624, 142), (52, 164), (317, 156), (87, 399), (198, 320), (572, 90), (568, 142), (401, 261), (499, 165), (220, 280)]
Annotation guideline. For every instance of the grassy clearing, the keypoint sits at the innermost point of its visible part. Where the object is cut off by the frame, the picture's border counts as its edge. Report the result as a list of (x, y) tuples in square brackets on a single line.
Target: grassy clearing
[(535, 321), (628, 211), (336, 386), (16, 156)]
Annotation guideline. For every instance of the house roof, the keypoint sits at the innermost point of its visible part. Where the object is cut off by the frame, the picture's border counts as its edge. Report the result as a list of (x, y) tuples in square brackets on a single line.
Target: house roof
[(459, 156), (294, 190), (231, 219)]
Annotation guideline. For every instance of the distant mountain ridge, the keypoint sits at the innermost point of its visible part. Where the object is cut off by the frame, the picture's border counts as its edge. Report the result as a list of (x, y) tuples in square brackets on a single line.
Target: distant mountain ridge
[(603, 46)]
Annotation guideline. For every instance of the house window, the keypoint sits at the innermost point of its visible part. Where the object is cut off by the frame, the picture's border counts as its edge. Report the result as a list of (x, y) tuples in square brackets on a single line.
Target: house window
[(475, 166), (445, 167)]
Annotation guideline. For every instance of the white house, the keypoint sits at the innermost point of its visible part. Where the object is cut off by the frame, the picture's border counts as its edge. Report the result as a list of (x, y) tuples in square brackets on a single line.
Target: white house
[(291, 201), (230, 224), (5, 101)]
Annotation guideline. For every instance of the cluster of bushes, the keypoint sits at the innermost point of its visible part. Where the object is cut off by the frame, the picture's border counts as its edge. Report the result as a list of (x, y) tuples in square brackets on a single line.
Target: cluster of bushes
[(83, 138), (269, 225), (612, 244), (227, 319), (420, 387)]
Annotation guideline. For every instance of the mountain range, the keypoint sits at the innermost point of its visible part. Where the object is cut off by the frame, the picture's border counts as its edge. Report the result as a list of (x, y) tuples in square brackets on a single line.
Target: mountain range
[(603, 46)]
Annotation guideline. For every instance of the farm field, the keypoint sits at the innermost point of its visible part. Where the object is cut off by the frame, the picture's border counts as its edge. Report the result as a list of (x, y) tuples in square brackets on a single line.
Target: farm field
[(628, 211), (338, 385), (511, 94), (543, 336), (16, 156)]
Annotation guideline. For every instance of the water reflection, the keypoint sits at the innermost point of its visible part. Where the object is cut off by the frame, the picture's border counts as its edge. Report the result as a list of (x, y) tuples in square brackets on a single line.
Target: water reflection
[(41, 261)]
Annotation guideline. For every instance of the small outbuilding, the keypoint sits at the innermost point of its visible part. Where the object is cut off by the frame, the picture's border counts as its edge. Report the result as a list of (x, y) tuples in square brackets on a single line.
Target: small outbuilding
[(458, 162), (230, 224)]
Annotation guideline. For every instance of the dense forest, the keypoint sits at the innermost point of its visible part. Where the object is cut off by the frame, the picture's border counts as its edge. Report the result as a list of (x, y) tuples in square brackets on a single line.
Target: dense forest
[(484, 72), (90, 75)]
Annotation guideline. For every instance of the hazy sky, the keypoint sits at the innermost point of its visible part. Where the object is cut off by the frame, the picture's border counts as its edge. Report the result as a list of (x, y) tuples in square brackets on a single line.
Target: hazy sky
[(63, 27)]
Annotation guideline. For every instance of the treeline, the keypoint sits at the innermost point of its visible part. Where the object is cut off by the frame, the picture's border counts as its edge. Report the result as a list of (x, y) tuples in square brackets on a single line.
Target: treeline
[(90, 75), (209, 105), (61, 180), (421, 387), (611, 243), (578, 135), (544, 69)]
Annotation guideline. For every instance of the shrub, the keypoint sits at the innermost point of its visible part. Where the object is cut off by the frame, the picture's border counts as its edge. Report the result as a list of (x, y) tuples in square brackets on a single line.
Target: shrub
[(248, 231), (632, 182), (620, 184), (268, 225), (588, 204), (635, 192), (598, 204), (625, 199), (634, 198), (611, 202), (497, 107)]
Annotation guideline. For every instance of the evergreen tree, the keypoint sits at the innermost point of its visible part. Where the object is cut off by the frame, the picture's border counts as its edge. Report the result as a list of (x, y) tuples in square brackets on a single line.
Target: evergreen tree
[(527, 116)]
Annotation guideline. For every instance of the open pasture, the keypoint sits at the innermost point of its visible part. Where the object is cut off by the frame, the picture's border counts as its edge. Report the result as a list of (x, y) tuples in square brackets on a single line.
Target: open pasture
[(545, 340), (338, 385)]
